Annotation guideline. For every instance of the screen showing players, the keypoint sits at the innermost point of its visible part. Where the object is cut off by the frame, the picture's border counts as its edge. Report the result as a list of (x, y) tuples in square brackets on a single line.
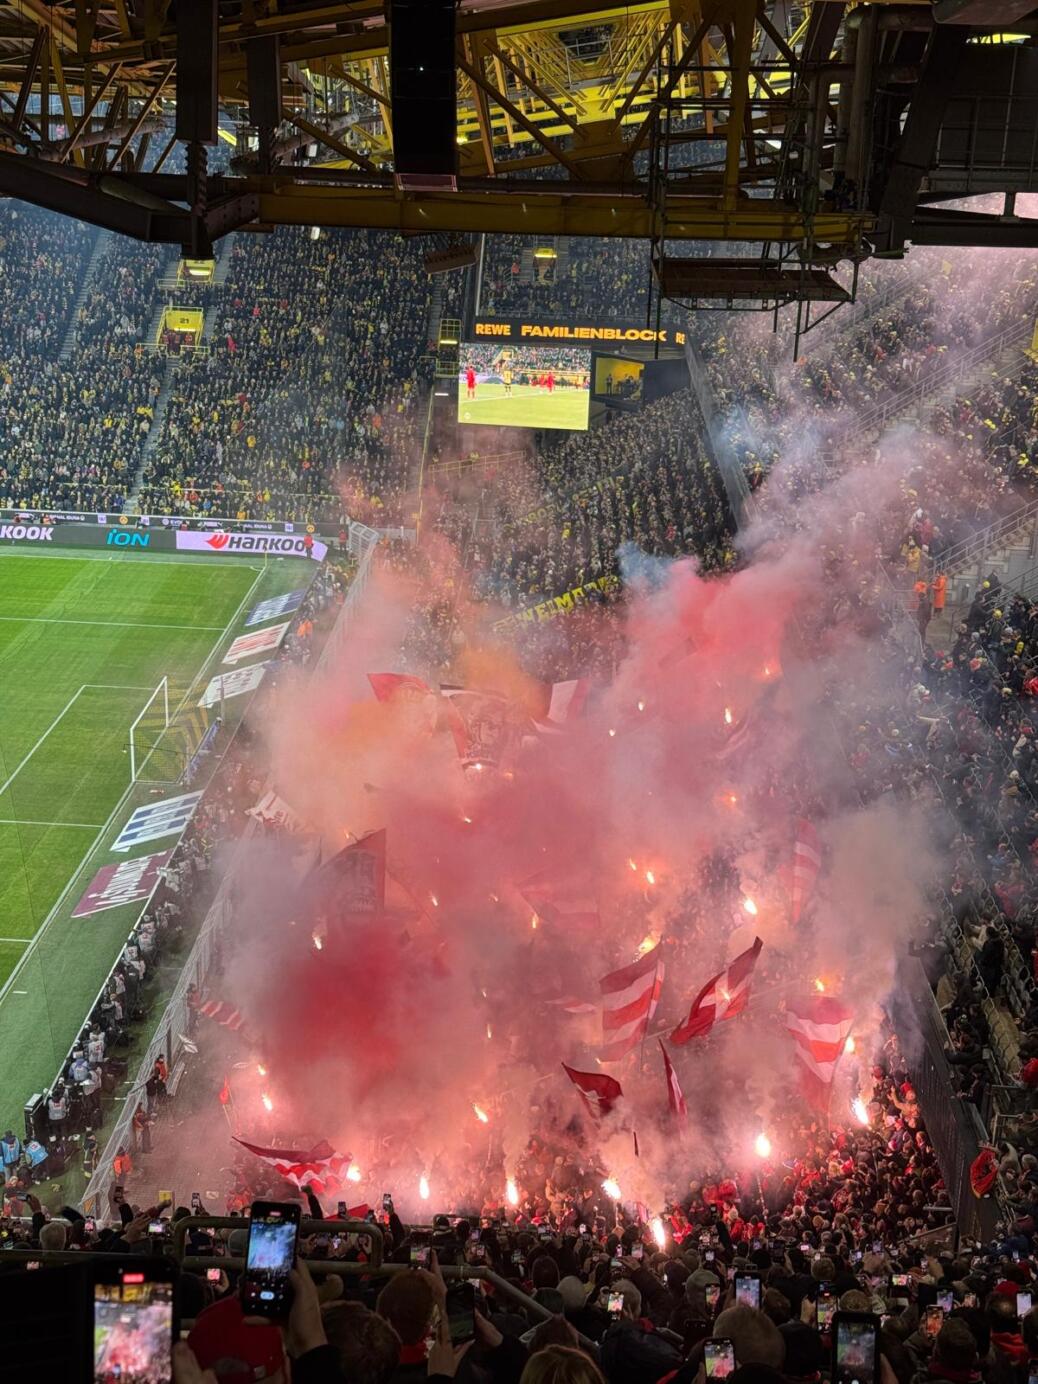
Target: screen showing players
[(524, 386)]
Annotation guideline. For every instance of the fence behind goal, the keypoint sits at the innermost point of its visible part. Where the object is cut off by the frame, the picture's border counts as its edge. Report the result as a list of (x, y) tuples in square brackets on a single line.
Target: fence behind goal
[(167, 734)]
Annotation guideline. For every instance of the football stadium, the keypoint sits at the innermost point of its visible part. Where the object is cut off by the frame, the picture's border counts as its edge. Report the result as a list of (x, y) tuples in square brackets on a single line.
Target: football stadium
[(518, 676)]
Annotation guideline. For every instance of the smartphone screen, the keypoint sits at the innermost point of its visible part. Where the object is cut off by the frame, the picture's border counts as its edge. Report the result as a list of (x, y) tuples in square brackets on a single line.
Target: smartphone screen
[(969, 1300), (387, 1202), (133, 1329), (615, 1304), (477, 1253), (900, 1280), (1023, 1304), (420, 1248), (461, 1312), (933, 1321), (826, 1311), (638, 1251), (213, 1275), (273, 1230), (156, 1227), (946, 1301), (712, 1292), (719, 1358), (709, 1256), (854, 1350), (747, 1290), (196, 1200)]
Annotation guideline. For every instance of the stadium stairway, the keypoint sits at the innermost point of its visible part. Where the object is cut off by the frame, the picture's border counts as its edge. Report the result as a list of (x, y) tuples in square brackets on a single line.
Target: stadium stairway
[(957, 376), (169, 372), (100, 241)]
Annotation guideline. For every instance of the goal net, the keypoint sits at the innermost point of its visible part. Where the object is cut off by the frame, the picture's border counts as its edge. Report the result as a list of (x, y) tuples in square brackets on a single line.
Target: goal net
[(162, 740)]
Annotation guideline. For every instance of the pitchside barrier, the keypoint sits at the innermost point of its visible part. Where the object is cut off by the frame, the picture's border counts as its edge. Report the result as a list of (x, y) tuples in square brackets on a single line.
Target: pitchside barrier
[(178, 1018)]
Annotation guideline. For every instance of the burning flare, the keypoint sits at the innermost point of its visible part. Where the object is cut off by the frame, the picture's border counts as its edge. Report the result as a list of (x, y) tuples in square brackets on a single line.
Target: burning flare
[(820, 985), (481, 1115), (728, 715), (512, 1193), (261, 1069), (659, 1231), (861, 1113), (318, 944), (762, 1146), (268, 1104), (650, 877), (750, 907), (353, 1173), (611, 1188), (849, 1045), (423, 1187)]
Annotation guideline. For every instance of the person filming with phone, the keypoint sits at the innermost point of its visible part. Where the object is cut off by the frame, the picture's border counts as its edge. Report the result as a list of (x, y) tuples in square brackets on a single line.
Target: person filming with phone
[(632, 1352)]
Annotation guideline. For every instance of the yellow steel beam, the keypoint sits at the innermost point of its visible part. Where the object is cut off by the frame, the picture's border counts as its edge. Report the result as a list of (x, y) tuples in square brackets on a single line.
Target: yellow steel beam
[(474, 50), (549, 144), (527, 80), (744, 20), (616, 215)]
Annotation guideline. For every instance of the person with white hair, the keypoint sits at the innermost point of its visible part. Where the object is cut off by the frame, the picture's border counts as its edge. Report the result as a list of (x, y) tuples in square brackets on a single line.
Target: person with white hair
[(54, 1235)]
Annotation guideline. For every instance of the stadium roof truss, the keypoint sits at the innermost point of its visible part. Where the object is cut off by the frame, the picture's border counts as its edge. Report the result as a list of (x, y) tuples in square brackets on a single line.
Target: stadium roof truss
[(802, 134)]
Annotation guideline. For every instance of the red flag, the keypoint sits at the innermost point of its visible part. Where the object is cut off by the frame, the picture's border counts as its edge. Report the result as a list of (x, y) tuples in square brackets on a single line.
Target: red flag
[(807, 861), (564, 897), (386, 686), (598, 1091), (819, 1025), (629, 999), (225, 1092), (722, 997), (485, 725), (320, 1167), (354, 880), (675, 1097)]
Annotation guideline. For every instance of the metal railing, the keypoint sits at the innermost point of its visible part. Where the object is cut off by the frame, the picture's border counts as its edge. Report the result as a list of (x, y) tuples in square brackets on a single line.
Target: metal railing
[(366, 546), (950, 372), (175, 1021), (996, 535)]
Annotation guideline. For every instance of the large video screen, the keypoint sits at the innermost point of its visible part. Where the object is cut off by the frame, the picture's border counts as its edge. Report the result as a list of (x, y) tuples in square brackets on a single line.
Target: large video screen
[(524, 386), (618, 379)]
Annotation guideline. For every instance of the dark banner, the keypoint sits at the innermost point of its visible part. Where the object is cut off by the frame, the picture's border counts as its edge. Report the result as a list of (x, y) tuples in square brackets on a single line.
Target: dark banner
[(74, 534), (535, 331)]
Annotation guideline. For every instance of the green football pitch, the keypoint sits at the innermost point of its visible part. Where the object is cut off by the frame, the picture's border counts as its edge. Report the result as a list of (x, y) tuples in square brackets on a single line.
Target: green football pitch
[(83, 643), (528, 406)]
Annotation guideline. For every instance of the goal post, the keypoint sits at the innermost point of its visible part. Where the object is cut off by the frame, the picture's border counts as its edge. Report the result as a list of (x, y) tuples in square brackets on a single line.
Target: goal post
[(149, 728)]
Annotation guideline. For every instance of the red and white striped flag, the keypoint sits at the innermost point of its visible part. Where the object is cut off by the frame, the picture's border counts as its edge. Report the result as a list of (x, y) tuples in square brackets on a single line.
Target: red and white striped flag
[(570, 1004), (675, 1096), (598, 1091), (629, 999), (564, 897), (807, 861), (819, 1025), (722, 997), (220, 1012), (320, 1167)]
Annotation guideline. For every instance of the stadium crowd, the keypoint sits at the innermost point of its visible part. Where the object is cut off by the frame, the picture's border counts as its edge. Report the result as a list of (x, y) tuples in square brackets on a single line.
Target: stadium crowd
[(259, 426), (585, 1287), (307, 404)]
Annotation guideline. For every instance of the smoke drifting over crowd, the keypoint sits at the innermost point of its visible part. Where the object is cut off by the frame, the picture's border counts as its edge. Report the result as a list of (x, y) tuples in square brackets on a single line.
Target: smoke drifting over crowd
[(426, 1037)]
